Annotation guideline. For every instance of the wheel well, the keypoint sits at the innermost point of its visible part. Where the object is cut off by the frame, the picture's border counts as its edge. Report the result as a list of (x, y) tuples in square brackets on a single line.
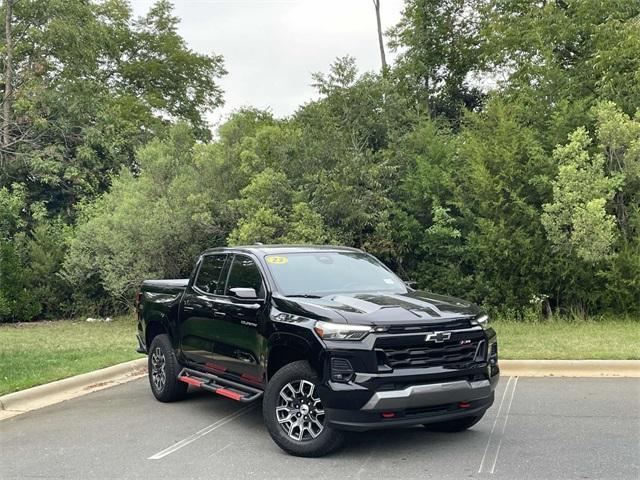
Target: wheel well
[(283, 355), (153, 330)]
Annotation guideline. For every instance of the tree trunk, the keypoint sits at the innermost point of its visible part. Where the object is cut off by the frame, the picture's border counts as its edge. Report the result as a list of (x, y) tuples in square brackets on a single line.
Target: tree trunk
[(8, 77), (376, 3)]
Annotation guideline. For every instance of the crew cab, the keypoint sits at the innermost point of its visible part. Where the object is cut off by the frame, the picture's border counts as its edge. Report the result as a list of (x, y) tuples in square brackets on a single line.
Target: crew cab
[(328, 337)]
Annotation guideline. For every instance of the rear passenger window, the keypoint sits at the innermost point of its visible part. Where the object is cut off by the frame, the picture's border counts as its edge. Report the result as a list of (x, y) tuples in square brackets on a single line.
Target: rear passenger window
[(245, 274), (208, 279)]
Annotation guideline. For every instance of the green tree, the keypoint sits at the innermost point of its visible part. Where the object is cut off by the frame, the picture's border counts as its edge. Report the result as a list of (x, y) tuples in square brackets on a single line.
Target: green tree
[(263, 207), (149, 225), (619, 140), (428, 245), (476, 195), (90, 85), (577, 221), (43, 251), (560, 58), (438, 49), (16, 299), (503, 180), (17, 303)]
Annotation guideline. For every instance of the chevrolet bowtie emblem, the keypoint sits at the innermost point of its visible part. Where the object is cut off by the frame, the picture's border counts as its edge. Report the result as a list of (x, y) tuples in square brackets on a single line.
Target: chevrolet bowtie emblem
[(438, 337)]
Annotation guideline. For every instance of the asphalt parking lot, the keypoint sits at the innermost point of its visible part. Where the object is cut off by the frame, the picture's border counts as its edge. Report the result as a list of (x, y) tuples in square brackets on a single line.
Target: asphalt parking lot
[(538, 428)]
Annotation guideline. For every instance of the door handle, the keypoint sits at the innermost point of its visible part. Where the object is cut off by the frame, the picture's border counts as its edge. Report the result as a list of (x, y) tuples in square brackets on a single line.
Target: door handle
[(188, 307), (218, 313)]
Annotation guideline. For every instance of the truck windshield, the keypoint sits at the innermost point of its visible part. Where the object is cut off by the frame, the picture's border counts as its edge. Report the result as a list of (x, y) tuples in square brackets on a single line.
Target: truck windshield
[(322, 273)]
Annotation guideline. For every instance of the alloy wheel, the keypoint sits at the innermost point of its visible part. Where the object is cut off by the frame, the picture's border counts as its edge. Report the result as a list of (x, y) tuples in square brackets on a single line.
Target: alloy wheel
[(299, 411), (158, 374)]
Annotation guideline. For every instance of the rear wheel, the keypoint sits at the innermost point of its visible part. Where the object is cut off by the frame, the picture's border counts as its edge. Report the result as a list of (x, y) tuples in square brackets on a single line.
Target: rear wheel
[(457, 425), (163, 369), (294, 414)]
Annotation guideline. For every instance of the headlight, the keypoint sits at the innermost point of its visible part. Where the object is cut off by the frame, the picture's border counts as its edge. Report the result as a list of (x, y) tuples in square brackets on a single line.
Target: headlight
[(337, 331), (482, 320)]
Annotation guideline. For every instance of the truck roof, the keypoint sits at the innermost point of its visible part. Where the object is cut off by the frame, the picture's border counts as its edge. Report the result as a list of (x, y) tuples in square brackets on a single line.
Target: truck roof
[(282, 249)]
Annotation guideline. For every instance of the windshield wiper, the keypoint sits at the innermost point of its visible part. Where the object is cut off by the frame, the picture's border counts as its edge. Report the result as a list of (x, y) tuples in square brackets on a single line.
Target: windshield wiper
[(303, 295)]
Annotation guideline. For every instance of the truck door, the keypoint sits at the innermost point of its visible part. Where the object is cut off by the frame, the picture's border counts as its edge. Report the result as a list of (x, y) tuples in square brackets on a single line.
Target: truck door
[(238, 341), (198, 315)]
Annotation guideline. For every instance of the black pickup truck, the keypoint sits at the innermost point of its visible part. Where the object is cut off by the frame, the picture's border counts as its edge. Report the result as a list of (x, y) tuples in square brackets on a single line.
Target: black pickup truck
[(329, 337)]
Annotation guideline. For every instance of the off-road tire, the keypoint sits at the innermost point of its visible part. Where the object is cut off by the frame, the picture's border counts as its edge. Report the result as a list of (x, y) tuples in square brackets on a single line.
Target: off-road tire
[(327, 440), (457, 425), (171, 389)]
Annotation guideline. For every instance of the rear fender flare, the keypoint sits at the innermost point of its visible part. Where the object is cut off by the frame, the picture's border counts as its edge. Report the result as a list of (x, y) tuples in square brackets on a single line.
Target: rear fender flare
[(159, 321)]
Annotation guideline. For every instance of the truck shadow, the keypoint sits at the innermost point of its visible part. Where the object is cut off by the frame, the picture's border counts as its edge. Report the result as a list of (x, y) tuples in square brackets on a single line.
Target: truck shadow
[(400, 443)]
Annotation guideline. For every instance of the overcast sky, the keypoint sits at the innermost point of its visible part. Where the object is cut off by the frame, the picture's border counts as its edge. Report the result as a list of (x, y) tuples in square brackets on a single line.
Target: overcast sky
[(271, 47)]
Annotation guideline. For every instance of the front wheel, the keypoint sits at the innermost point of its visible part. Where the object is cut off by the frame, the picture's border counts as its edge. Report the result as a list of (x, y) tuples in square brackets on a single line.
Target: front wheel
[(294, 415), (457, 425), (163, 369)]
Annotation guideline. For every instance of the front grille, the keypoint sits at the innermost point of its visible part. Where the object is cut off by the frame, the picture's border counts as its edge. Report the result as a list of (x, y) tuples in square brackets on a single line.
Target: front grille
[(460, 350), (456, 324)]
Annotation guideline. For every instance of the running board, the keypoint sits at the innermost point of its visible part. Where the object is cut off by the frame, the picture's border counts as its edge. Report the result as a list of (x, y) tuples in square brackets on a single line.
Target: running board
[(221, 386)]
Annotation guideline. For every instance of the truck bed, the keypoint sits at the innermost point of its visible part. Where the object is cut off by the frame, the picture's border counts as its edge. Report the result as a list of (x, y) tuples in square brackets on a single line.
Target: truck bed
[(165, 286)]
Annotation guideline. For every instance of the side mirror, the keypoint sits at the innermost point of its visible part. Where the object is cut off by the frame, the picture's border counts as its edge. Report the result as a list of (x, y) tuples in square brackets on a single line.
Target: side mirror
[(411, 284), (244, 293)]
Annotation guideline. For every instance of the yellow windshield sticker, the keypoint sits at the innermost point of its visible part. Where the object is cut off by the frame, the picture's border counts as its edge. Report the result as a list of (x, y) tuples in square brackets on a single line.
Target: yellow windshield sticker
[(274, 260)]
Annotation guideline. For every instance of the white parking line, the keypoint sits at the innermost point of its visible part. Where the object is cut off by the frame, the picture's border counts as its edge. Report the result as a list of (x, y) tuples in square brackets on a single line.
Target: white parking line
[(201, 433), (221, 449), (495, 422), (504, 425)]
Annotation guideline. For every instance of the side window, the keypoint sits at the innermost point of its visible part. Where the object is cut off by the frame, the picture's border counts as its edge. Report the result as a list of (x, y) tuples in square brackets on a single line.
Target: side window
[(245, 274), (208, 279)]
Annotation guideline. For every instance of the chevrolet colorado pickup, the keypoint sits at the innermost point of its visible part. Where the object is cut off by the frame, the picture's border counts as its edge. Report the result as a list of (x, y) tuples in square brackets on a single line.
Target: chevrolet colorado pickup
[(328, 337)]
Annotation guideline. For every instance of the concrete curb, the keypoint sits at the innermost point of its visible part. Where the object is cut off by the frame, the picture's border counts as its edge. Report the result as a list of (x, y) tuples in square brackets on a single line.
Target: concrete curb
[(48, 394), (37, 397), (570, 368)]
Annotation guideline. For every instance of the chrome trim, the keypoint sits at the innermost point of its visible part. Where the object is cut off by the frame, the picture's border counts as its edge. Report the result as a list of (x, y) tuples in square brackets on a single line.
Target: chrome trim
[(428, 395)]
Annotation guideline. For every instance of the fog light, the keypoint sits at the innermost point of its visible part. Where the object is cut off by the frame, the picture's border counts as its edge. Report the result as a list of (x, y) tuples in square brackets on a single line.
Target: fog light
[(341, 370)]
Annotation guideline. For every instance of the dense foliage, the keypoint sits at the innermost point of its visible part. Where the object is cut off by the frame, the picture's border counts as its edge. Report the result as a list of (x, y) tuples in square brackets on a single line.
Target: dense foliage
[(498, 159)]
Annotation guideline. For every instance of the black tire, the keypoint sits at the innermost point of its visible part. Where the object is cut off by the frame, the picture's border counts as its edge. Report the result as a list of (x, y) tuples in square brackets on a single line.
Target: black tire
[(457, 425), (317, 439), (162, 362)]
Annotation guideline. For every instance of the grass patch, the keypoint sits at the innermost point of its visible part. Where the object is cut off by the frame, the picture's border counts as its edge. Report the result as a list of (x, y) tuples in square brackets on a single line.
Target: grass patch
[(564, 339), (36, 353)]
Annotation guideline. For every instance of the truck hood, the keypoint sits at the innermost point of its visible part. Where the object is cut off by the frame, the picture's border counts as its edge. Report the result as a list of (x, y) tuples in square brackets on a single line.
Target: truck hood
[(415, 307)]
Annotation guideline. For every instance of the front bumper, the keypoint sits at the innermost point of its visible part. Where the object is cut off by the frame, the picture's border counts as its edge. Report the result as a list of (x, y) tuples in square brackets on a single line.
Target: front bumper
[(396, 381), (425, 400), (362, 420), (428, 395)]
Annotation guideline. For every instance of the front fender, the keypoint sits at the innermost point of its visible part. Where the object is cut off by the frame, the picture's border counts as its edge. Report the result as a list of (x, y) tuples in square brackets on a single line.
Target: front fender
[(303, 342)]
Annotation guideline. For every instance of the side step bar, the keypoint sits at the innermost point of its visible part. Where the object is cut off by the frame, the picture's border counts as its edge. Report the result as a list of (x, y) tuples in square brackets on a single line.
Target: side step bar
[(221, 386)]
